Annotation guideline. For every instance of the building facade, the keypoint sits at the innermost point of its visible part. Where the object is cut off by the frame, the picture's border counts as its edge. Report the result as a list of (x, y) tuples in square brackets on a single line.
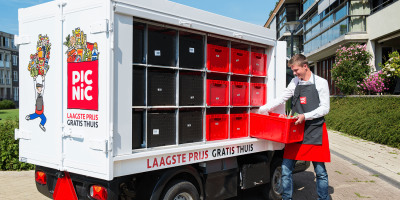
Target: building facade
[(9, 68), (327, 24)]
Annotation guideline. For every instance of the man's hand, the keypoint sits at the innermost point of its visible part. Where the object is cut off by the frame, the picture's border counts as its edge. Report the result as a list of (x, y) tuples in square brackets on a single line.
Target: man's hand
[(300, 118), (263, 110)]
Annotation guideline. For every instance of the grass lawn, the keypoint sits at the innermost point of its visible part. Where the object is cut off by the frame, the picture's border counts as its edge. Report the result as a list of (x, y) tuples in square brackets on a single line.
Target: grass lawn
[(12, 113)]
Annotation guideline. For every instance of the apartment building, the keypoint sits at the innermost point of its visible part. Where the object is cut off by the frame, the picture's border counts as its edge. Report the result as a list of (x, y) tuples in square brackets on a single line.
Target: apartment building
[(9, 68), (327, 24)]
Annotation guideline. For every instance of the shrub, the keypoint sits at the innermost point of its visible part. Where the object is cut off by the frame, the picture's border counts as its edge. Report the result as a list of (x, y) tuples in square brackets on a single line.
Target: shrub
[(351, 67), (374, 119), (7, 104), (391, 68), (375, 83), (9, 148)]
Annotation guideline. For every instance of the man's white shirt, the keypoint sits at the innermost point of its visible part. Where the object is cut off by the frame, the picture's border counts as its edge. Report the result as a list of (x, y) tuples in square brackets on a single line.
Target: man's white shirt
[(323, 93)]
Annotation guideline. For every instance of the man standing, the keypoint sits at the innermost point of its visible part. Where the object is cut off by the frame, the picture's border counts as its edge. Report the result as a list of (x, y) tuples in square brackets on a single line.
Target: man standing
[(311, 101)]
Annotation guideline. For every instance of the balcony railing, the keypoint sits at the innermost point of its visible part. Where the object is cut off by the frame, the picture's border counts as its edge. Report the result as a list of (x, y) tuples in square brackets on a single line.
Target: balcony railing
[(377, 7)]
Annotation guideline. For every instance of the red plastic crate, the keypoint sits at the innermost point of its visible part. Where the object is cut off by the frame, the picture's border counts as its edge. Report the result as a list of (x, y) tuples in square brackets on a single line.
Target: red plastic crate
[(239, 93), (258, 94), (217, 93), (239, 61), (275, 128), (258, 64), (217, 58), (217, 127), (239, 125)]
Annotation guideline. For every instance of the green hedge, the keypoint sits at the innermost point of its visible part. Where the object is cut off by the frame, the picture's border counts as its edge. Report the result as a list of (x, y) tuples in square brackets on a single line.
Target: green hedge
[(374, 119), (7, 104), (9, 147)]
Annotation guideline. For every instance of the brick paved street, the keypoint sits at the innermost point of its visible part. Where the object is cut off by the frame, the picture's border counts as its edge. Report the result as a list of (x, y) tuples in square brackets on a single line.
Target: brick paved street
[(347, 180)]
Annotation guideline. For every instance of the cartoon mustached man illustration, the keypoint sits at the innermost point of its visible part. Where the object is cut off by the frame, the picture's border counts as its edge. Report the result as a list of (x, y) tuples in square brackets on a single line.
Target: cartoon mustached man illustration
[(39, 107)]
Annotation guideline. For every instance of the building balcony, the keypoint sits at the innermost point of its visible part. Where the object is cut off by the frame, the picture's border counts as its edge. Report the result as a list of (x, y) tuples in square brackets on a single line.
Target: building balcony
[(384, 20)]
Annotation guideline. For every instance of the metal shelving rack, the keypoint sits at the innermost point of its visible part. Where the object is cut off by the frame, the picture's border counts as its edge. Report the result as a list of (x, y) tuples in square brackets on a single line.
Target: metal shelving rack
[(204, 73)]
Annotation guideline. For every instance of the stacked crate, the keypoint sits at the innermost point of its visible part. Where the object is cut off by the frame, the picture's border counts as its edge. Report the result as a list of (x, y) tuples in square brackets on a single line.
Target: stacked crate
[(177, 96)]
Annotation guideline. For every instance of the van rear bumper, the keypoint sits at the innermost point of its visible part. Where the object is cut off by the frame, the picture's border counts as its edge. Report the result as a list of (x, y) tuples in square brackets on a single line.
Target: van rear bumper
[(81, 184)]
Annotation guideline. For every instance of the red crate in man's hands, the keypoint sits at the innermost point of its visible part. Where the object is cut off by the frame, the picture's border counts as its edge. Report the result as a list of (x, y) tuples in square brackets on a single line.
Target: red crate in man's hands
[(275, 128)]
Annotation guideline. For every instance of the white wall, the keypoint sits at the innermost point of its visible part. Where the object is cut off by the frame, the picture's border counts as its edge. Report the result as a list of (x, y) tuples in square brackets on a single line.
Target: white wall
[(384, 21)]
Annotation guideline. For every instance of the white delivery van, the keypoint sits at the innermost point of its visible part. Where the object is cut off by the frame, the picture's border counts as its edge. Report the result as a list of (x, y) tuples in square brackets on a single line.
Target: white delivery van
[(145, 99)]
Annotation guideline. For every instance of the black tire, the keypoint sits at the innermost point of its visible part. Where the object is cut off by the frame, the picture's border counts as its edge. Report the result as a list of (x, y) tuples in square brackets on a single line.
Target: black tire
[(273, 190), (276, 180), (181, 188)]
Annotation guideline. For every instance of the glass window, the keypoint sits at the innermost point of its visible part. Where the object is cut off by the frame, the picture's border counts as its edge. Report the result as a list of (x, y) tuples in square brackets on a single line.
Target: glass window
[(282, 31), (15, 73), (315, 19), (13, 44), (341, 13), (14, 59), (356, 8), (1, 57), (8, 77), (316, 30), (6, 42), (309, 35), (307, 4), (327, 22), (1, 77), (6, 57), (292, 14), (330, 35), (324, 38), (357, 24), (15, 93)]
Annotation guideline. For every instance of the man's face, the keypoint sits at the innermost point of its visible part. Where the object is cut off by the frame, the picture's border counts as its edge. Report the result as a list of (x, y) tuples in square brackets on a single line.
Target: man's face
[(299, 70), (39, 90)]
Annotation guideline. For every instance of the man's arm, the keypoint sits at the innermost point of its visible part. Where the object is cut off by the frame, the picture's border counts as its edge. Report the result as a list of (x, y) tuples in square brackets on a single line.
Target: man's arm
[(286, 94), (34, 86), (324, 104), (43, 85)]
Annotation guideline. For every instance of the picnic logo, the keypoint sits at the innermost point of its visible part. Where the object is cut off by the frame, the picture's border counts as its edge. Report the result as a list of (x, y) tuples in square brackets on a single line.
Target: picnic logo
[(303, 100), (83, 72)]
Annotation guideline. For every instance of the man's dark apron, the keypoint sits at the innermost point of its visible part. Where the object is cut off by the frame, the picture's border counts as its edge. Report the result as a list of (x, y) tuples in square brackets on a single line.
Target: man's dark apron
[(306, 99)]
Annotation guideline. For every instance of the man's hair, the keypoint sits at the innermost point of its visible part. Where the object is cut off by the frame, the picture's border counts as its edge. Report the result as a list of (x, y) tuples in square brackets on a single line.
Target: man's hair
[(298, 59)]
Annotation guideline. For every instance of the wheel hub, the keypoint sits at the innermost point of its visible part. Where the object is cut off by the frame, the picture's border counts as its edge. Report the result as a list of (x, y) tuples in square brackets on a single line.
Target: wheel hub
[(183, 196), (277, 181)]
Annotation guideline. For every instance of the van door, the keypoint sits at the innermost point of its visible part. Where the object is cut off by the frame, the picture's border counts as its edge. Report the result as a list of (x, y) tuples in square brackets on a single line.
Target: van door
[(39, 130), (85, 83)]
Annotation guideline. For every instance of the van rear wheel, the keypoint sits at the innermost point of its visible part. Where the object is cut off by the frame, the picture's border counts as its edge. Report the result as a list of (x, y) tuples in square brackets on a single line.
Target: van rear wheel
[(180, 190)]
